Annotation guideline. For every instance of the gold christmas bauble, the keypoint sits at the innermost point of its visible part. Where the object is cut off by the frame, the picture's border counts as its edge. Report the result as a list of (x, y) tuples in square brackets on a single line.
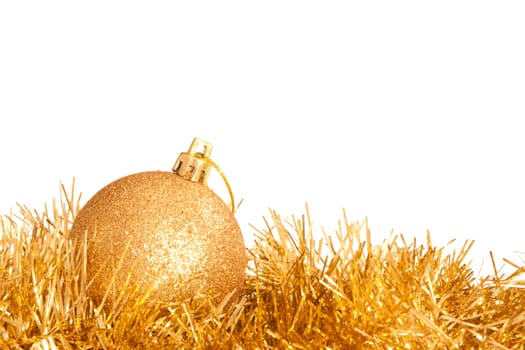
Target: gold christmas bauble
[(166, 235)]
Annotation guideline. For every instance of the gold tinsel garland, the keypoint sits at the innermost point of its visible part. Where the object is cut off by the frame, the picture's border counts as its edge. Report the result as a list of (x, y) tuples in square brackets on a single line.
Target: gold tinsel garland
[(300, 293)]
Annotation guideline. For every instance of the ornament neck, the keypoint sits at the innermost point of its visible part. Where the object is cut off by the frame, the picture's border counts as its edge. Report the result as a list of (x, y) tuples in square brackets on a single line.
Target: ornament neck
[(194, 165)]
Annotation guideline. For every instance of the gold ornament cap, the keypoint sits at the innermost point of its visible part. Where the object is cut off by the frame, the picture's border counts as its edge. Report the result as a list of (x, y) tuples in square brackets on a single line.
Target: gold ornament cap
[(194, 165)]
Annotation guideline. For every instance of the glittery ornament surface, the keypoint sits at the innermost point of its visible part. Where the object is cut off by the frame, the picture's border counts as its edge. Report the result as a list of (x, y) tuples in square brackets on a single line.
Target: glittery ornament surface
[(174, 238)]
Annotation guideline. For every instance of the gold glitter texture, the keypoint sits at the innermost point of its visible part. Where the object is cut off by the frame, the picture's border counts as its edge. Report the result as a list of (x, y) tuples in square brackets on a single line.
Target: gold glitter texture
[(336, 291), (167, 236)]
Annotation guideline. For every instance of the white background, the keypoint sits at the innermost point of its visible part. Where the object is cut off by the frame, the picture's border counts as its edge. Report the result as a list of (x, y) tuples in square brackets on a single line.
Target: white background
[(408, 113)]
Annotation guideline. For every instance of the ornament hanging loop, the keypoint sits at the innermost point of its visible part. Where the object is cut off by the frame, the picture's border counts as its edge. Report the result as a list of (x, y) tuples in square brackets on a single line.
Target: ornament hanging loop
[(196, 165)]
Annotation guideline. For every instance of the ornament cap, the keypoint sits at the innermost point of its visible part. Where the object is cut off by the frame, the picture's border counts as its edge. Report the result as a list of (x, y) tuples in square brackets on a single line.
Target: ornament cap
[(195, 165)]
